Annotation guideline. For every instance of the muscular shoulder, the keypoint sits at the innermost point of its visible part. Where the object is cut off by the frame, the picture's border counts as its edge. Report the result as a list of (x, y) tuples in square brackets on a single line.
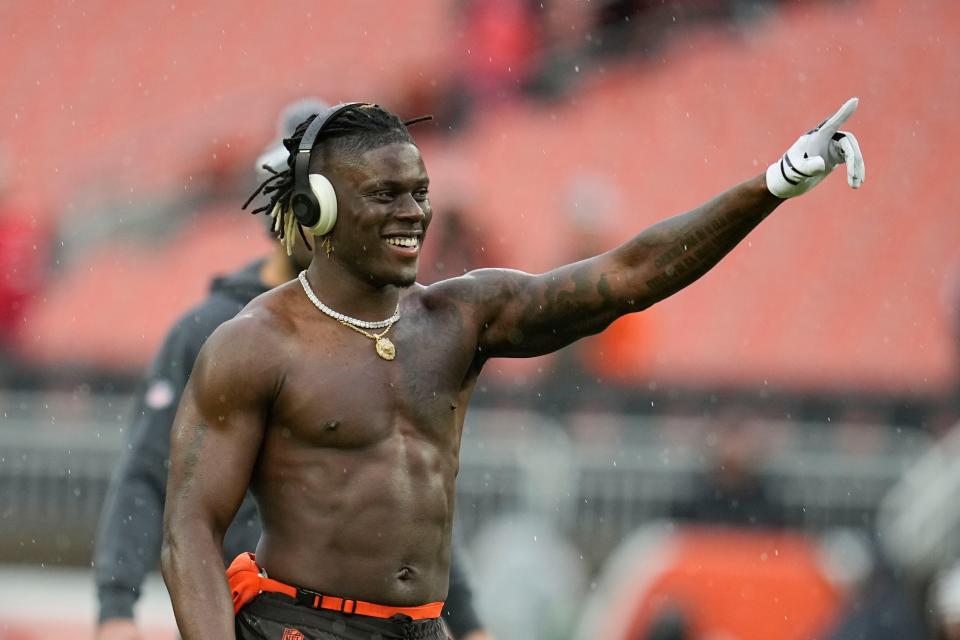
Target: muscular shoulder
[(482, 289), (247, 354), (271, 314)]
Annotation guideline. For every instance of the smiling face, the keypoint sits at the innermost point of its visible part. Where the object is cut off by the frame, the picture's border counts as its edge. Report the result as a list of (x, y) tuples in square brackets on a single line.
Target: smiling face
[(383, 211)]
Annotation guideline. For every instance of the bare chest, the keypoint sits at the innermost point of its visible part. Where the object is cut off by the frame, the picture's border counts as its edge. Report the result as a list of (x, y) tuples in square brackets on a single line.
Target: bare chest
[(340, 392)]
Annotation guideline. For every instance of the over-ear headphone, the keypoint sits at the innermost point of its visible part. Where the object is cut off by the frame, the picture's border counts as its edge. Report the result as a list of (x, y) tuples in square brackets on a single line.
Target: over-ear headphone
[(313, 201)]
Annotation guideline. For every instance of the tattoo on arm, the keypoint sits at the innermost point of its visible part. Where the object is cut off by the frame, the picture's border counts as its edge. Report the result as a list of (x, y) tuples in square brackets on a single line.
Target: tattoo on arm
[(558, 299), (523, 315), (192, 458), (580, 298), (696, 250)]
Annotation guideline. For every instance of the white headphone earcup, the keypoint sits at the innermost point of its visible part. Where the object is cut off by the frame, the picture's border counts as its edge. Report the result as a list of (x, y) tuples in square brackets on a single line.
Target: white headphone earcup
[(327, 198)]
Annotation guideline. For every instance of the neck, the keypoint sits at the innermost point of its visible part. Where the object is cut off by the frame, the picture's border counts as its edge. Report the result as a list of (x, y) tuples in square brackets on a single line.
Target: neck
[(343, 291), (277, 269)]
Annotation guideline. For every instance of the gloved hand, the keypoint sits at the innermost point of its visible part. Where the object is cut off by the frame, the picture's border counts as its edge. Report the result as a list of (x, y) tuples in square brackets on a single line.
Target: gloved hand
[(815, 154)]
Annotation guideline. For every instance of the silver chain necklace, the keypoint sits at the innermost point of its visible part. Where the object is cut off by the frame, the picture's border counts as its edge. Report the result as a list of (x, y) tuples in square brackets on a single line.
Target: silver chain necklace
[(336, 315)]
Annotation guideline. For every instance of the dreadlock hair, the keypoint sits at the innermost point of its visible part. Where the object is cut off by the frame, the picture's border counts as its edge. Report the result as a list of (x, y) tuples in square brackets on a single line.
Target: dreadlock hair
[(353, 131)]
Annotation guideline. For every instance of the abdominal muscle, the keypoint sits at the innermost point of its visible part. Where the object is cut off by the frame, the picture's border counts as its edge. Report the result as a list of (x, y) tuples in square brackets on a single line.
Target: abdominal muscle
[(368, 523)]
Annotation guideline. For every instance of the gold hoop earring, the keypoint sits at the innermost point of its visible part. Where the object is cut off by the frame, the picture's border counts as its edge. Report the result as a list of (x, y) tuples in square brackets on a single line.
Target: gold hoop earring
[(327, 244)]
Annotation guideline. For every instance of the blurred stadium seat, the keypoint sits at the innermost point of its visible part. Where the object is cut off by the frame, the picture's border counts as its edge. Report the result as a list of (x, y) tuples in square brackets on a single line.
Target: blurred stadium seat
[(839, 290), (722, 583), (115, 110), (124, 95)]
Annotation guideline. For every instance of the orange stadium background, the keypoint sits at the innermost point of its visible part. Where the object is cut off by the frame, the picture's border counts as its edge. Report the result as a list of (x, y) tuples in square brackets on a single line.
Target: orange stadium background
[(127, 134)]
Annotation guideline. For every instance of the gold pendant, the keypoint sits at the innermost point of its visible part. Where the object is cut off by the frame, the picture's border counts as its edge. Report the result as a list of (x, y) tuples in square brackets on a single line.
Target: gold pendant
[(385, 349)]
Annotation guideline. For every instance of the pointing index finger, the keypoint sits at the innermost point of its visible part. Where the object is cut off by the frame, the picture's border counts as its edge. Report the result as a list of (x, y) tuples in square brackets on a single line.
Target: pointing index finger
[(835, 121)]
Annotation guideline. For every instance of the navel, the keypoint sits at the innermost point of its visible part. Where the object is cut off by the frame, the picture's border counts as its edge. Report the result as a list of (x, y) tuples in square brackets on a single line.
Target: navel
[(405, 573), (331, 425)]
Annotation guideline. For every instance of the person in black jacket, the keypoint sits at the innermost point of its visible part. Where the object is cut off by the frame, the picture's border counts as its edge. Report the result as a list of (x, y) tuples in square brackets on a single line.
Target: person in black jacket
[(130, 530)]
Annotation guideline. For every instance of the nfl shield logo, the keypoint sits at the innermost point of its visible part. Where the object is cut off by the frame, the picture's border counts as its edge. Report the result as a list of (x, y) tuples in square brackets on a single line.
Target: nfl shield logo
[(292, 634)]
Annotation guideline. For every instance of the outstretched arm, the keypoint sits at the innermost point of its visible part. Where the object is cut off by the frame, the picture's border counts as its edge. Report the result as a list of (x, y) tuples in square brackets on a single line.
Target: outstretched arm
[(213, 447), (525, 315), (528, 315)]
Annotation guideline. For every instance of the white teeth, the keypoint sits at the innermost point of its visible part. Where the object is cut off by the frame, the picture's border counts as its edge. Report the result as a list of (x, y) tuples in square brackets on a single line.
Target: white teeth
[(403, 242)]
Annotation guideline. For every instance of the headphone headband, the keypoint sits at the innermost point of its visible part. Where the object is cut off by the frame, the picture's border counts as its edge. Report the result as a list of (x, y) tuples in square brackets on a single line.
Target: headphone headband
[(316, 127)]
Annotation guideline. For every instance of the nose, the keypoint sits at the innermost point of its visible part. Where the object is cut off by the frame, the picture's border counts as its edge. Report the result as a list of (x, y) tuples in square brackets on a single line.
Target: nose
[(409, 209)]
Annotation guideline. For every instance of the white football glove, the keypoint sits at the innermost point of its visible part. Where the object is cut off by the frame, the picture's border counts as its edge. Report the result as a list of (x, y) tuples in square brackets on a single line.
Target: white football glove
[(815, 154)]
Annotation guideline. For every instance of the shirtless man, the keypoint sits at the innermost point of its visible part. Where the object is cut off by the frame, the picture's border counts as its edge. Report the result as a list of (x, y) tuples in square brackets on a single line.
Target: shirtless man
[(128, 539), (348, 433)]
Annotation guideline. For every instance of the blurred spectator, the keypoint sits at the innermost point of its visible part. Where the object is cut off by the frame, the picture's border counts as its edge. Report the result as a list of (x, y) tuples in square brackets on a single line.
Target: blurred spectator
[(500, 40), (618, 355), (918, 521), (605, 368), (733, 491), (668, 582), (24, 246), (669, 624), (529, 581), (915, 593), (499, 51), (618, 28), (946, 602), (884, 607), (642, 26)]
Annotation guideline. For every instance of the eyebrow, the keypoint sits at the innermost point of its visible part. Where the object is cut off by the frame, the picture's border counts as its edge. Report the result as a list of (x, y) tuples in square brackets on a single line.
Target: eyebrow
[(394, 184)]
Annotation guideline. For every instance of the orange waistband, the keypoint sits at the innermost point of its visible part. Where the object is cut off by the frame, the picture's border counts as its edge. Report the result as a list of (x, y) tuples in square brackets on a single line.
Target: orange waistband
[(246, 583)]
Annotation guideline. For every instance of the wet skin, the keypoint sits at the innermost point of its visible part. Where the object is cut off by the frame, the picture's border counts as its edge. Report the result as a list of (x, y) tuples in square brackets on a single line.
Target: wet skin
[(355, 477), (352, 458), (356, 468)]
